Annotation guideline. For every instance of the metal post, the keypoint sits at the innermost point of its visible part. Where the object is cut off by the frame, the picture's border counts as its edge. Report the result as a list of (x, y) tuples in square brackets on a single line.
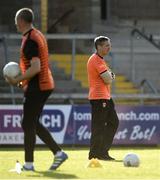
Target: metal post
[(12, 92), (113, 68), (132, 58), (5, 49), (73, 62), (6, 61), (44, 15), (108, 8), (142, 92), (36, 5)]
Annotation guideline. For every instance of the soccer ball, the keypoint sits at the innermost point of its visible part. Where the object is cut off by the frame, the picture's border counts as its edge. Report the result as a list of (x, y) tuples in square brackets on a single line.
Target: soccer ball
[(11, 69), (131, 160)]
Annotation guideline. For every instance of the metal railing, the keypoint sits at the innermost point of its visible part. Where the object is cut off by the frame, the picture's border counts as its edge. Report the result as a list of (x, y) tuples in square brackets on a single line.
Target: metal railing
[(148, 38), (5, 47), (60, 19), (149, 85), (73, 96), (72, 37)]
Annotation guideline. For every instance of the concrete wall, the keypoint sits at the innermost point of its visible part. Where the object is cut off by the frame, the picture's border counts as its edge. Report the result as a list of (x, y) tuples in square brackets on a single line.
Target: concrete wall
[(77, 21), (136, 9), (8, 9)]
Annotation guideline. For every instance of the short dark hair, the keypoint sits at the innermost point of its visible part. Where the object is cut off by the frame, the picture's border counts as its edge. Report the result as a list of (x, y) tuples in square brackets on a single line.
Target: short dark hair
[(99, 40), (26, 14)]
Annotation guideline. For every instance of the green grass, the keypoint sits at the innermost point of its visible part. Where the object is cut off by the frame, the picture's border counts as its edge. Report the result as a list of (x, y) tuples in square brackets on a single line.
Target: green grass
[(75, 166)]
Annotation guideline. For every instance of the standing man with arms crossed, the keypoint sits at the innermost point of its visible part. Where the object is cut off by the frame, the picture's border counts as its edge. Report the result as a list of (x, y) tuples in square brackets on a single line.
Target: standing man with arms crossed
[(38, 83), (104, 121)]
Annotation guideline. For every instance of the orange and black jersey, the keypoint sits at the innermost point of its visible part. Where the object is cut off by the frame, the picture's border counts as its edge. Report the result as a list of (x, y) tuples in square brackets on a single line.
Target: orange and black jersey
[(30, 49), (34, 45), (97, 87)]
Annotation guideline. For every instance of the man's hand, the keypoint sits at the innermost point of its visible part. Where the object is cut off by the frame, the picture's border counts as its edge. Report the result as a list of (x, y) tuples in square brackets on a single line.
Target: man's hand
[(113, 75), (11, 80)]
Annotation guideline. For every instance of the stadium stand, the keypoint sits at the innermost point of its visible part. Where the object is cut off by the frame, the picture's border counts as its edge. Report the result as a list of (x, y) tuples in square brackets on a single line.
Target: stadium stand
[(134, 60), (122, 85)]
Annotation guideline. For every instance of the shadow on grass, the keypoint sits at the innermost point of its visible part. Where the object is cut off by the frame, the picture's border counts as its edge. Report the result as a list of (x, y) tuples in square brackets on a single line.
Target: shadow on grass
[(53, 174), (118, 160)]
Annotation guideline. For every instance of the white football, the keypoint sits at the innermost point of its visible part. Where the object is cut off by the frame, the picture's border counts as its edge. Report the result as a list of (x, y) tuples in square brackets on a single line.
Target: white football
[(11, 69), (131, 160)]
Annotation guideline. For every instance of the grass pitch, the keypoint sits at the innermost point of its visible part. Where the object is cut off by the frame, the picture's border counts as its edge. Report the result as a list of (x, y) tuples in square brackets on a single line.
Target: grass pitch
[(75, 166)]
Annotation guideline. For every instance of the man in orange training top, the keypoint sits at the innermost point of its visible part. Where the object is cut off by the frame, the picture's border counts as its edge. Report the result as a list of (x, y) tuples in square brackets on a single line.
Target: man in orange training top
[(104, 121), (38, 83)]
